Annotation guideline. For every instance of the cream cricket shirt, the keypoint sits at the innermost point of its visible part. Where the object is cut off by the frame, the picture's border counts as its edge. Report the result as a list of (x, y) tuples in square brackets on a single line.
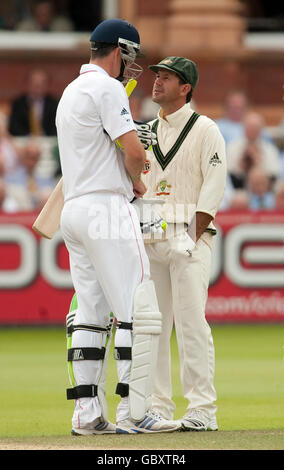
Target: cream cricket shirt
[(92, 113), (196, 174)]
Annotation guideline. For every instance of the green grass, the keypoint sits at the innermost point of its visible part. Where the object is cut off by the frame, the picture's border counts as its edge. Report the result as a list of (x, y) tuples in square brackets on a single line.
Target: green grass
[(249, 383)]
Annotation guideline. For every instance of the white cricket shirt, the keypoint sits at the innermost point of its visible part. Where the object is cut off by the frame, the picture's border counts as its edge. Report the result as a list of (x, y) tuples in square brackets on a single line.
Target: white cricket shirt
[(196, 175), (92, 113)]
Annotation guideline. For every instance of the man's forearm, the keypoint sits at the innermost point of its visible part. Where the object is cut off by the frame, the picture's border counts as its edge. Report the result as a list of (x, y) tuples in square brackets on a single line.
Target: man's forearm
[(134, 154), (199, 224)]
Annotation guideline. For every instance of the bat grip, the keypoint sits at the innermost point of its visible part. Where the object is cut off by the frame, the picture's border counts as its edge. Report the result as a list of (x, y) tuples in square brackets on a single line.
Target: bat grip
[(129, 87)]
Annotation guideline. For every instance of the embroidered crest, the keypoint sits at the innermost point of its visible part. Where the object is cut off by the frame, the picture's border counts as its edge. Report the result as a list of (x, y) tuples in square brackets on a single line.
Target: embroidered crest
[(166, 61), (147, 167), (214, 160), (163, 188)]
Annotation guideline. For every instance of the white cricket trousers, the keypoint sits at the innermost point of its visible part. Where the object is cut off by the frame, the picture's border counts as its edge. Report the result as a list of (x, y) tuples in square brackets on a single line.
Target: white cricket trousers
[(181, 283), (107, 262)]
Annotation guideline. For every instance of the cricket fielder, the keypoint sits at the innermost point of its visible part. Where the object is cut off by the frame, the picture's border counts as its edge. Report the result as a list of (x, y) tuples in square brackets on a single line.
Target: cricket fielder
[(101, 230), (186, 169)]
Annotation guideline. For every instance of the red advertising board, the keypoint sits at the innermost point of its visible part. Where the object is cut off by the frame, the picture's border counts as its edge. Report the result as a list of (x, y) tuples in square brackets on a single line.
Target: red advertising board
[(247, 278), (35, 283)]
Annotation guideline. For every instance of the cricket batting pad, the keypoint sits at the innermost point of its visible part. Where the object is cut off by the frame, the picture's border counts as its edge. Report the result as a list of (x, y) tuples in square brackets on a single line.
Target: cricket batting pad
[(147, 326), (82, 353)]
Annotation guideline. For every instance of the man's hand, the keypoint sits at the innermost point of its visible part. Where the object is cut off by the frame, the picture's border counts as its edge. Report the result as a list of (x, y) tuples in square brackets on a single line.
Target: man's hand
[(198, 225), (145, 135), (150, 220), (139, 188), (134, 157)]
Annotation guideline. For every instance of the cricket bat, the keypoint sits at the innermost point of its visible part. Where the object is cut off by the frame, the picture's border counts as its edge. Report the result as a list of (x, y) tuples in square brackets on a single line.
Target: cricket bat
[(48, 220)]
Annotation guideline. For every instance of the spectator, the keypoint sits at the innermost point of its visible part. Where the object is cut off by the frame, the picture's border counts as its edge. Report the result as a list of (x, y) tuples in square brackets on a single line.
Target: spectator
[(279, 195), (25, 185), (7, 203), (8, 15), (261, 197), (9, 158), (228, 195), (44, 18), (252, 150), (240, 200), (281, 164), (231, 125), (142, 108), (56, 157), (280, 144), (33, 113), (281, 128)]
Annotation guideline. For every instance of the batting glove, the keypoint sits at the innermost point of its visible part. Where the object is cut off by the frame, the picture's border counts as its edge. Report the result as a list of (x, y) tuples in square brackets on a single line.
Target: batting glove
[(150, 220), (145, 134)]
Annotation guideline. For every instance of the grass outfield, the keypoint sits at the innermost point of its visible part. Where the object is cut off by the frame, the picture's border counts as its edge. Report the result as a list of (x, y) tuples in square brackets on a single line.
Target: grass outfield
[(249, 383)]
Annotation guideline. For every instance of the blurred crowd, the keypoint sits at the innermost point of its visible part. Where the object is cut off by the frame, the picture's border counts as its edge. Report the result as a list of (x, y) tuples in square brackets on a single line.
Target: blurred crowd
[(29, 163), (255, 157), (50, 15)]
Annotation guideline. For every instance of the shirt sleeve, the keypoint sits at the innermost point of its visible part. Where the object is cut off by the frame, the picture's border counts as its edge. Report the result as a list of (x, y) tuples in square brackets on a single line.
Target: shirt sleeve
[(114, 110), (214, 171)]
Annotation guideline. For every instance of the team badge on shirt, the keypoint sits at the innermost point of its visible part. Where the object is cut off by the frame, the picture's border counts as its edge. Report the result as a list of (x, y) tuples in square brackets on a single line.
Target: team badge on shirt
[(147, 167), (163, 188)]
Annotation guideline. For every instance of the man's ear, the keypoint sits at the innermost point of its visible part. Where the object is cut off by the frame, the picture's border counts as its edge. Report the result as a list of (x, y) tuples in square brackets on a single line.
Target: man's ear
[(117, 51), (186, 87)]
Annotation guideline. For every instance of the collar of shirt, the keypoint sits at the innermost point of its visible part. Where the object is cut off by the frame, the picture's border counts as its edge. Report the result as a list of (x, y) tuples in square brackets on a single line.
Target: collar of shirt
[(92, 68), (179, 118)]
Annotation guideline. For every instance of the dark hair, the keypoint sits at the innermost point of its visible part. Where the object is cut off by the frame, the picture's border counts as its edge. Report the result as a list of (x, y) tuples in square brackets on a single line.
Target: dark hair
[(189, 94), (101, 49)]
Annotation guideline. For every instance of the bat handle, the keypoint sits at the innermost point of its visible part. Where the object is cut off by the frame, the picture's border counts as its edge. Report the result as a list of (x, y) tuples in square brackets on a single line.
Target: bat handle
[(129, 87)]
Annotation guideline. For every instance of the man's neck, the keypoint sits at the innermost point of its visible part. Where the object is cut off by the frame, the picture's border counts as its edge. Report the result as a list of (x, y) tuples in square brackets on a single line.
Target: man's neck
[(170, 108), (104, 64), (110, 63)]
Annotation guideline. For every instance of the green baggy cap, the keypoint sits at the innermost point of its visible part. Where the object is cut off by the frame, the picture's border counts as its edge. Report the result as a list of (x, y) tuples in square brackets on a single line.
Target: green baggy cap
[(186, 69)]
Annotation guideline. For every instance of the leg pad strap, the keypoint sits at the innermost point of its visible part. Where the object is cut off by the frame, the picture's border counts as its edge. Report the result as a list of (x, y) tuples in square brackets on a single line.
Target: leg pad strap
[(89, 354), (92, 328), (82, 391), (124, 325), (122, 354), (122, 389)]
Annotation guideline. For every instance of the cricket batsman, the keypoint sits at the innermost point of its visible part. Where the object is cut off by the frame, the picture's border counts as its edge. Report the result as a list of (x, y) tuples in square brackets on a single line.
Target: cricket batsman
[(109, 265)]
